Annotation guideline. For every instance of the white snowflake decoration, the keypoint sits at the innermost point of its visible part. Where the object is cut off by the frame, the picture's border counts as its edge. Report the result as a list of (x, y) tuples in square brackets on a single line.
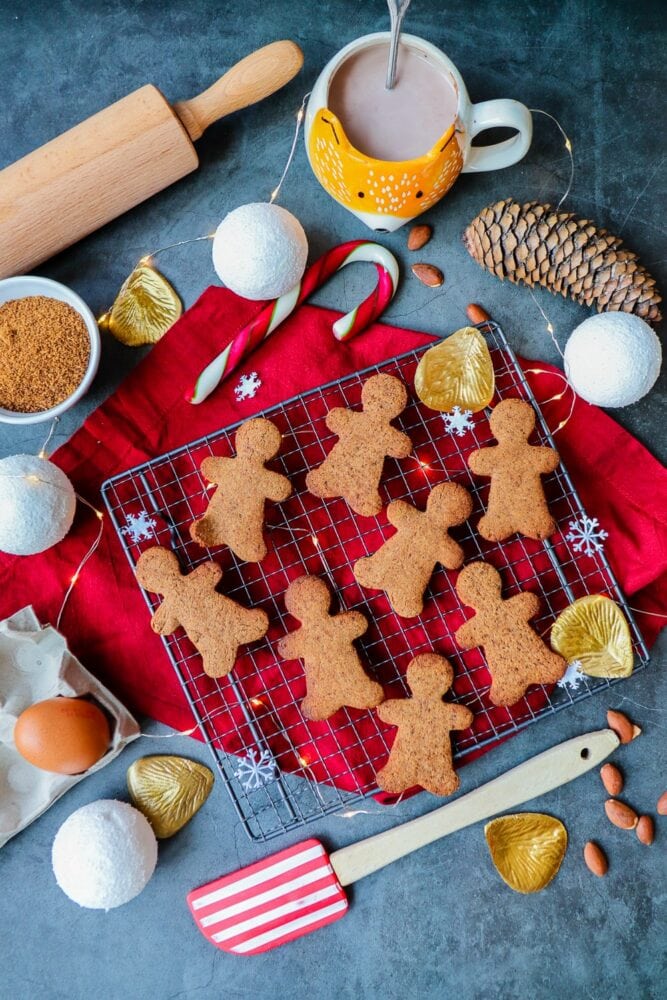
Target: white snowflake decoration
[(458, 421), (256, 769), (248, 386), (573, 676), (138, 527), (586, 535)]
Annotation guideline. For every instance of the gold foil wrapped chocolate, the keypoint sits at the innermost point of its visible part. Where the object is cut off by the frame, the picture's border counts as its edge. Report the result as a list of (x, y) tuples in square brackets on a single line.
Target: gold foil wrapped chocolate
[(145, 307), (456, 372), (527, 849), (168, 790), (594, 631)]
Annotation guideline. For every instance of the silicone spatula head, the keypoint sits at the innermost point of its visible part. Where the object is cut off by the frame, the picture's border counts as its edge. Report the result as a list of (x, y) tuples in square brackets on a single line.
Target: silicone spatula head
[(271, 902)]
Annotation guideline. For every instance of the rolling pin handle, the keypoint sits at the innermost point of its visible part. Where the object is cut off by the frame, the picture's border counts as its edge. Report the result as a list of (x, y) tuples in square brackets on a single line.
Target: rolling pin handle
[(250, 80)]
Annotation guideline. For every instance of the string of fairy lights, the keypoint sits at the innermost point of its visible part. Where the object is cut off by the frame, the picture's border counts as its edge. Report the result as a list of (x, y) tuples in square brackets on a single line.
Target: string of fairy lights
[(34, 479), (77, 572), (147, 259), (43, 453), (425, 466), (568, 148)]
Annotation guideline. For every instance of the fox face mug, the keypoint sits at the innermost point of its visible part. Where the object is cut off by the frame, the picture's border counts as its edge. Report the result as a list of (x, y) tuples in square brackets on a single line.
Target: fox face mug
[(388, 155)]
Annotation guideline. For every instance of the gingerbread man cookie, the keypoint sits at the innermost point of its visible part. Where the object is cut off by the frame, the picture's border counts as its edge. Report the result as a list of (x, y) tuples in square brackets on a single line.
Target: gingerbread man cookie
[(334, 674), (404, 564), (515, 654), (235, 513), (421, 753), (516, 497), (353, 467), (215, 624)]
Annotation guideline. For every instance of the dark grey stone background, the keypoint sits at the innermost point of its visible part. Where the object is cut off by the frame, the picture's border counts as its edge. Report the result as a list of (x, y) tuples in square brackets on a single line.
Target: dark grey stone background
[(439, 923)]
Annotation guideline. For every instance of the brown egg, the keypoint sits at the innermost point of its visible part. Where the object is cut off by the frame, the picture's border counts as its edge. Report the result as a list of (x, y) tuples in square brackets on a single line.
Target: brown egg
[(63, 735)]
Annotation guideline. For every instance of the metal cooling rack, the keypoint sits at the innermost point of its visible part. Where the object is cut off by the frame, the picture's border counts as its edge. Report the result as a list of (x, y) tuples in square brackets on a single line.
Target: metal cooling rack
[(282, 771)]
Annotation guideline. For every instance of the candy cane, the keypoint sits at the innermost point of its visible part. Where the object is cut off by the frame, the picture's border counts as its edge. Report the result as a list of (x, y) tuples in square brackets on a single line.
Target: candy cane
[(277, 311)]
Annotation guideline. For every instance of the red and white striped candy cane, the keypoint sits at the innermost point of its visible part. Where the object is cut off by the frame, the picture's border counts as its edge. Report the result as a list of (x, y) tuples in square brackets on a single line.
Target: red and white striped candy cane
[(275, 312)]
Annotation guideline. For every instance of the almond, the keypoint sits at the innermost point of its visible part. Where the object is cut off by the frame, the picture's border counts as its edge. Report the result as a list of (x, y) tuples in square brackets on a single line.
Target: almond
[(419, 237), (428, 274), (476, 314), (644, 830), (624, 729), (662, 805), (596, 859), (612, 779), (621, 815)]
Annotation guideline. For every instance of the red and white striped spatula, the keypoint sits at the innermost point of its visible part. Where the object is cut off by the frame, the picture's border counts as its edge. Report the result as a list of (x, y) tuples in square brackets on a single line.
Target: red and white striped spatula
[(300, 889)]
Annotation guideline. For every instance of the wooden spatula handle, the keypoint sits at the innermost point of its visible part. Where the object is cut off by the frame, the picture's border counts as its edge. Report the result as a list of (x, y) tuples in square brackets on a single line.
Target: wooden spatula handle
[(250, 80), (536, 776)]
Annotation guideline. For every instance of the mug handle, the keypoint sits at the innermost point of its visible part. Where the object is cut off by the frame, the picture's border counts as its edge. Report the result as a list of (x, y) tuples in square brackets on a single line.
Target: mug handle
[(491, 114)]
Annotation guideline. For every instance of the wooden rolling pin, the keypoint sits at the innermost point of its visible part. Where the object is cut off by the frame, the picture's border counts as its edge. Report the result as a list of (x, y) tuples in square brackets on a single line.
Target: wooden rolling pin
[(122, 155)]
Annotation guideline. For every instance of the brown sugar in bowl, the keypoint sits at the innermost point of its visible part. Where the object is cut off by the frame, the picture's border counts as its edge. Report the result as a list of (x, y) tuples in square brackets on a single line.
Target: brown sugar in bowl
[(68, 364)]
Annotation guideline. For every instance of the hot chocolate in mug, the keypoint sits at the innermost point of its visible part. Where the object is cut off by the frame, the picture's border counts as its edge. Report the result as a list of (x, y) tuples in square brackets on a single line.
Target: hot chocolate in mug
[(388, 155)]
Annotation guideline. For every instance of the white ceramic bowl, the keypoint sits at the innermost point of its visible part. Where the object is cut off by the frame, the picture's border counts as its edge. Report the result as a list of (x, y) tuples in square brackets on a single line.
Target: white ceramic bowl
[(20, 288)]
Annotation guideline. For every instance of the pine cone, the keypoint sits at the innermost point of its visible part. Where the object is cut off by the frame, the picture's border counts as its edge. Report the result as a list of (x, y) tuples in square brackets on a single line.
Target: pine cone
[(536, 244)]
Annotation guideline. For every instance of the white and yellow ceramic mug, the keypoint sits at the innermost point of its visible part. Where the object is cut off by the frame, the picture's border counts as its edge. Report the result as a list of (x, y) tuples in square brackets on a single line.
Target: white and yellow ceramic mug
[(385, 194)]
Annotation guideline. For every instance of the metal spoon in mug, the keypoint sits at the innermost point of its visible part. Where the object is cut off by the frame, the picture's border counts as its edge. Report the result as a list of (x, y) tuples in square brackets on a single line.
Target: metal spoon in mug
[(397, 11)]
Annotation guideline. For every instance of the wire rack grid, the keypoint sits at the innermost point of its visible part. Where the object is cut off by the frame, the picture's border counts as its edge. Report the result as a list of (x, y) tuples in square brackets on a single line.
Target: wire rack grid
[(281, 770)]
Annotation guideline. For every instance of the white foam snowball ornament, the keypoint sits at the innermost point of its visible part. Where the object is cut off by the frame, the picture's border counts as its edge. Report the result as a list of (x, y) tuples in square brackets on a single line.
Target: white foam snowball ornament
[(613, 359), (104, 854), (37, 503), (260, 251)]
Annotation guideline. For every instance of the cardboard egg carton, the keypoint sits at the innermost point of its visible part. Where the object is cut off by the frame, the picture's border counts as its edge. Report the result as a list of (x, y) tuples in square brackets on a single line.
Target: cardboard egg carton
[(36, 664)]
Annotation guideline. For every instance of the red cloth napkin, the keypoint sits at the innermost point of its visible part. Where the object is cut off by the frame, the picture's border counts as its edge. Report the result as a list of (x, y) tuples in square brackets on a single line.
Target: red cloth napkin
[(106, 621)]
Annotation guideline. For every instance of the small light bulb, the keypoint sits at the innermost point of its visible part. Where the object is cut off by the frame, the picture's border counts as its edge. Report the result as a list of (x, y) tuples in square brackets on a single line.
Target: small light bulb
[(315, 540), (41, 453), (145, 260), (256, 703), (99, 515), (32, 479), (303, 762), (568, 145), (424, 465), (75, 578)]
